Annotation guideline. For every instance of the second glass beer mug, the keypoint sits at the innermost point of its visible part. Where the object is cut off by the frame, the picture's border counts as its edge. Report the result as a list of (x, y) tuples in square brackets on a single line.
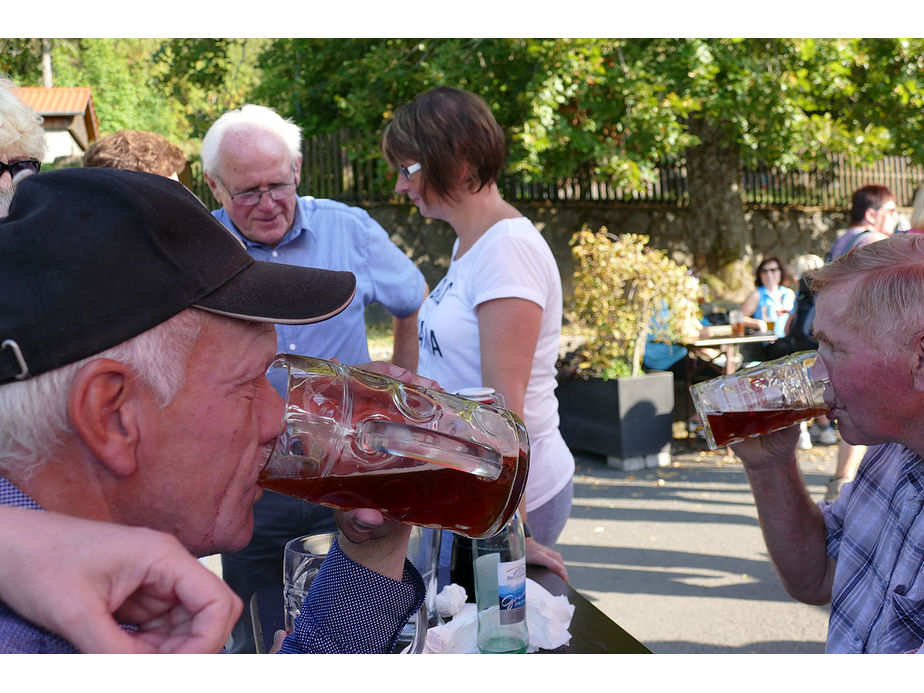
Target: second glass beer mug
[(356, 439), (764, 398)]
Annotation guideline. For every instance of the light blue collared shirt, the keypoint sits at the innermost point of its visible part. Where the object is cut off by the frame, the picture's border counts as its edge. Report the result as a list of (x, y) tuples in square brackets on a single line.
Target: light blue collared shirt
[(335, 236)]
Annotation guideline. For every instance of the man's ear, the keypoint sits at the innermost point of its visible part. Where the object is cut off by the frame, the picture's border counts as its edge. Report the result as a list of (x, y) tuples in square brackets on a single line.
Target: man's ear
[(917, 361), (213, 186), (103, 407), (298, 169)]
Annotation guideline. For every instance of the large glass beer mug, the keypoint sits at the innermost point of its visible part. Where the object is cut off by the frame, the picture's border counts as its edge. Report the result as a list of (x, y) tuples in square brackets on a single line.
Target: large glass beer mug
[(356, 439), (767, 397)]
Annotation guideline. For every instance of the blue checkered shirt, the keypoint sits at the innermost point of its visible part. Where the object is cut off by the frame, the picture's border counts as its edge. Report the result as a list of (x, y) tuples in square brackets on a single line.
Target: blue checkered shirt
[(16, 634), (350, 609), (875, 532)]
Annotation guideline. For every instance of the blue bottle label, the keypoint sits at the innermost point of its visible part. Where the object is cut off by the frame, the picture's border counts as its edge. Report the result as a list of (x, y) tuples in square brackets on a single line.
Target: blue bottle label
[(511, 591)]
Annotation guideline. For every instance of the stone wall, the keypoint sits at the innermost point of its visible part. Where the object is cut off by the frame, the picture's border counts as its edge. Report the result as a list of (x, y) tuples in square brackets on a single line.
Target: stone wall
[(782, 231)]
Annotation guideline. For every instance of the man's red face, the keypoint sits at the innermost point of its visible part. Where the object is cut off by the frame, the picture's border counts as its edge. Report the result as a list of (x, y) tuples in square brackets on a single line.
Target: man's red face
[(205, 449), (869, 387)]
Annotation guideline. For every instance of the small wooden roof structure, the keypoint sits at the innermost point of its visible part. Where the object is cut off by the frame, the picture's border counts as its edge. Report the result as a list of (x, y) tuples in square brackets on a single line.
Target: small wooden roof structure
[(65, 109)]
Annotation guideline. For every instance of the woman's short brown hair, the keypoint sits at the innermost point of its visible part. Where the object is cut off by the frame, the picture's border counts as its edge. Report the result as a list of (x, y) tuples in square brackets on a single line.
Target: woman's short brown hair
[(452, 134)]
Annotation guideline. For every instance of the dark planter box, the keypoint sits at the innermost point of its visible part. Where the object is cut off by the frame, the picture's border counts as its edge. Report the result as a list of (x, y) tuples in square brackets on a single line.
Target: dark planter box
[(621, 418)]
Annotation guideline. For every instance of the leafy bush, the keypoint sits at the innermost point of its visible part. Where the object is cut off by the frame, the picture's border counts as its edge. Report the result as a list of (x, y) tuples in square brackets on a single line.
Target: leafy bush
[(620, 283)]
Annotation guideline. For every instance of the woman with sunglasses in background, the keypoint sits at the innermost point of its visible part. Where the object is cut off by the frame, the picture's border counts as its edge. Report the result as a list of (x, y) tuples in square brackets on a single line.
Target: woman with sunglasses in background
[(495, 318), (769, 306), (22, 143)]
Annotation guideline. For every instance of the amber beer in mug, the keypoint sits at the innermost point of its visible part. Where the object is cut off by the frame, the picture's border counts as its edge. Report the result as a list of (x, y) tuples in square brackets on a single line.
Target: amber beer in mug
[(356, 439), (769, 316), (735, 319), (765, 398)]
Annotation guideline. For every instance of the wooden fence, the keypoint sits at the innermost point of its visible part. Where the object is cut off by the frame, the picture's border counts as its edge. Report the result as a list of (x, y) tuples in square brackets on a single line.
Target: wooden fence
[(337, 166)]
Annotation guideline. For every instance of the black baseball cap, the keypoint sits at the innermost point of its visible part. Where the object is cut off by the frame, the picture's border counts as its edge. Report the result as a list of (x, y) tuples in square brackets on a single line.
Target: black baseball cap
[(90, 257)]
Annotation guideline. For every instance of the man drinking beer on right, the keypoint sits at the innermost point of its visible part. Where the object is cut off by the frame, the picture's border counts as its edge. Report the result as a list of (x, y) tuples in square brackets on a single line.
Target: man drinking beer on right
[(862, 552)]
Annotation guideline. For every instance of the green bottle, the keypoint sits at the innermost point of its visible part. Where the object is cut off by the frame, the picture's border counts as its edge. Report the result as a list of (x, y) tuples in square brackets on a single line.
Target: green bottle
[(500, 590)]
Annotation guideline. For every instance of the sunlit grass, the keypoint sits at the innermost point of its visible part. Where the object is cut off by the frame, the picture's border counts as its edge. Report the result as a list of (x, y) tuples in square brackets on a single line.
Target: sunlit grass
[(380, 338)]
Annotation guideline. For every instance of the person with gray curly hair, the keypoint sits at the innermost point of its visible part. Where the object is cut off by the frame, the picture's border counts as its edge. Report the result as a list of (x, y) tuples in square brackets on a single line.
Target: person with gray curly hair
[(22, 142)]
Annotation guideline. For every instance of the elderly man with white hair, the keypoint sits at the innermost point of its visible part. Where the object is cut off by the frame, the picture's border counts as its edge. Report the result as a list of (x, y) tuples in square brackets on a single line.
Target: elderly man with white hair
[(22, 143), (252, 162)]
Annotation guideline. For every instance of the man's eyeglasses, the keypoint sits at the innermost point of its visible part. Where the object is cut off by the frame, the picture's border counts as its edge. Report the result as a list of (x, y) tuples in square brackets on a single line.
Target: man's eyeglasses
[(17, 167), (408, 171), (249, 198)]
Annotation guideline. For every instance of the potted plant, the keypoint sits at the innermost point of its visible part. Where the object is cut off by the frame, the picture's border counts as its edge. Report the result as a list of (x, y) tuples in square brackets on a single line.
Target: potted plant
[(624, 292)]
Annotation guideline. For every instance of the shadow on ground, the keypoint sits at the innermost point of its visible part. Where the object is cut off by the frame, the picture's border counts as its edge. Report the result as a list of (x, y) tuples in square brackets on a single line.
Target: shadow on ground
[(767, 647), (676, 574), (706, 547)]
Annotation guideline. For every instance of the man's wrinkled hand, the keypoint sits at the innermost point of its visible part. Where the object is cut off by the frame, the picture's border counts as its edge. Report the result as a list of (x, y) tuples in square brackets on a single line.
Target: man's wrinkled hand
[(771, 450)]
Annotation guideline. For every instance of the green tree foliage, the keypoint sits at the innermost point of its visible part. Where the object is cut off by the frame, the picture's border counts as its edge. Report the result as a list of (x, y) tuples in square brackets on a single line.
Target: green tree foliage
[(207, 77), (613, 107), (176, 87), (570, 107), (126, 90), (21, 59)]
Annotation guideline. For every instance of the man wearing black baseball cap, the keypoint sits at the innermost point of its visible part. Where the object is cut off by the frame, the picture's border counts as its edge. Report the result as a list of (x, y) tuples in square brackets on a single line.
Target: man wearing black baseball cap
[(135, 334)]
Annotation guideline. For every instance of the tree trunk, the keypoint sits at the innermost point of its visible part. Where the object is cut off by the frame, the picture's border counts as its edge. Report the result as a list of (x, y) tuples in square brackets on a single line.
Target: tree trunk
[(717, 230), (47, 76)]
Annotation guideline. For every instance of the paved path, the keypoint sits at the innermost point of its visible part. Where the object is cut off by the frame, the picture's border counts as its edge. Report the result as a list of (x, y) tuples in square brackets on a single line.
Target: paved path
[(676, 557)]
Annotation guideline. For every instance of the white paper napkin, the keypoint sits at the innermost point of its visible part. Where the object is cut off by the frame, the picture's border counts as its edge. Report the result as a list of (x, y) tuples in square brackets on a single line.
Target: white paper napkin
[(547, 618)]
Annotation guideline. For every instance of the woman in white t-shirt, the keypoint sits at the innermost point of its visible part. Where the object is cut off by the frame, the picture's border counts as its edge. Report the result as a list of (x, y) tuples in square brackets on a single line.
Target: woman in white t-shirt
[(495, 318)]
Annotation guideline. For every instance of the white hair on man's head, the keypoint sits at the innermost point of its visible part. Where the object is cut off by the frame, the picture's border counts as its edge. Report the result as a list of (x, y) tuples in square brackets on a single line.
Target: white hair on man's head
[(20, 126), (803, 263), (33, 412), (885, 285), (249, 116)]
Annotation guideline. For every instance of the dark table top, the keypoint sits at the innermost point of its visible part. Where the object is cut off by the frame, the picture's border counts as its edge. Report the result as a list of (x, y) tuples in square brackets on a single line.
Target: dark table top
[(592, 631)]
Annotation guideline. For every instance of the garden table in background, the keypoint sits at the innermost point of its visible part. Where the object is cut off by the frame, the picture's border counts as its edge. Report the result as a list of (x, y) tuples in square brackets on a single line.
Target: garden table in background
[(706, 352)]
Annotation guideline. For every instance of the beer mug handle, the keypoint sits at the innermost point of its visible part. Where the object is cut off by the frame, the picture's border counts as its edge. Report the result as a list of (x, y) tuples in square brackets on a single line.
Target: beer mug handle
[(403, 440)]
